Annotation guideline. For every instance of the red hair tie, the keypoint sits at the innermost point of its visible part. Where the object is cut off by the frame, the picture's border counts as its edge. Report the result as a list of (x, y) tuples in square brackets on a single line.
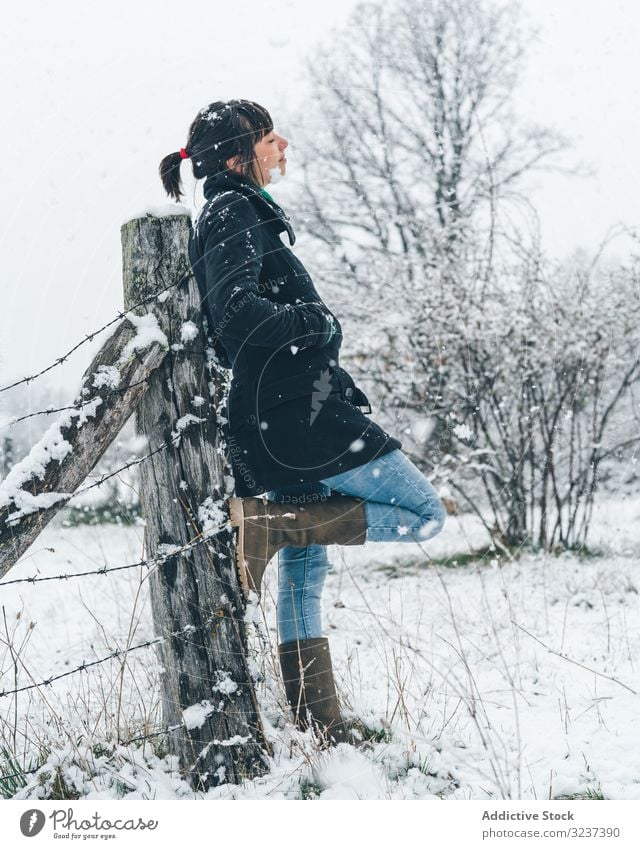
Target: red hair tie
[(183, 153)]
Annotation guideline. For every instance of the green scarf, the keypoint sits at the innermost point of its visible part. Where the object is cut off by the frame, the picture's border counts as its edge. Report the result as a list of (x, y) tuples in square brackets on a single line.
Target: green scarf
[(265, 192)]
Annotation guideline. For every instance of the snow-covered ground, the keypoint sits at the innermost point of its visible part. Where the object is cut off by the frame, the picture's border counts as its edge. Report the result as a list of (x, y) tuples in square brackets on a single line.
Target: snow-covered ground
[(495, 679)]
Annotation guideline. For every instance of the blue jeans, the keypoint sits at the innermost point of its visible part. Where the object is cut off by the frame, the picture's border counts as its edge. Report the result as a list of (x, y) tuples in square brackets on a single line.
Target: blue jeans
[(401, 505)]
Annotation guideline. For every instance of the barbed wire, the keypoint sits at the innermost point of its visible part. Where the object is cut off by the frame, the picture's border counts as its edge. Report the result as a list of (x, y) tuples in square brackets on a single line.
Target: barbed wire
[(150, 561), (188, 630), (103, 571), (90, 336), (83, 667), (77, 405), (106, 476), (69, 496)]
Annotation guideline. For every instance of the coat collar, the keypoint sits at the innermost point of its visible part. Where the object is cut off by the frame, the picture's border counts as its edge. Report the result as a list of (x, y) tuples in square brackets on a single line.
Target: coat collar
[(227, 180)]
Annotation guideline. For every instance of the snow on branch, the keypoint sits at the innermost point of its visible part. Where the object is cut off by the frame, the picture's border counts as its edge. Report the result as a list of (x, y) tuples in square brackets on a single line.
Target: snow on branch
[(42, 482)]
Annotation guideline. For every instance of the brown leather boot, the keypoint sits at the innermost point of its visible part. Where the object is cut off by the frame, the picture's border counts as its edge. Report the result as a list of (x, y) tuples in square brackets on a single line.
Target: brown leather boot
[(311, 692), (264, 527)]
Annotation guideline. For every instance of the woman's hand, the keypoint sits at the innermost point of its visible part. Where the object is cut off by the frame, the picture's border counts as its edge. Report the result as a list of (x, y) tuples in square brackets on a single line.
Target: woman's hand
[(329, 330)]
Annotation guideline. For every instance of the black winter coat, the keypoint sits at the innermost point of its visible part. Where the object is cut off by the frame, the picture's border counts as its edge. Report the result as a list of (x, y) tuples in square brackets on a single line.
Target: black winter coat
[(293, 413)]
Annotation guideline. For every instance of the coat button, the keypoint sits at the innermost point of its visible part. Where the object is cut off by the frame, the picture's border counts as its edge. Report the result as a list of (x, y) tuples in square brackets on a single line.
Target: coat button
[(348, 392)]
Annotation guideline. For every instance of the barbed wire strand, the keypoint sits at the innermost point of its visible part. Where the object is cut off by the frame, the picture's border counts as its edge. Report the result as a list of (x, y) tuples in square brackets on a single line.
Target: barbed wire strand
[(188, 630), (90, 336), (83, 667), (150, 561), (106, 476), (175, 438), (226, 551), (77, 405)]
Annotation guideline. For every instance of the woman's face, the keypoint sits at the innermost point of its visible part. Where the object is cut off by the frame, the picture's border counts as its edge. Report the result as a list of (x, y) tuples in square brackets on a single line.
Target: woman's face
[(269, 155)]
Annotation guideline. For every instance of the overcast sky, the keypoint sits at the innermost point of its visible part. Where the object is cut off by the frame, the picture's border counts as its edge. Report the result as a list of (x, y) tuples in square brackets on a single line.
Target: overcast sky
[(96, 95)]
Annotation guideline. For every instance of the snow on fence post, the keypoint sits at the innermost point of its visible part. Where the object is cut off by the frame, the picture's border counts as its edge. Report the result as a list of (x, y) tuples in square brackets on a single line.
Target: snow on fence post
[(208, 698)]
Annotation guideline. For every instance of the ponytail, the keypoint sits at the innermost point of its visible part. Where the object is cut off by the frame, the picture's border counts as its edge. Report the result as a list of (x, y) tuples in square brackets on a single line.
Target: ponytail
[(170, 175)]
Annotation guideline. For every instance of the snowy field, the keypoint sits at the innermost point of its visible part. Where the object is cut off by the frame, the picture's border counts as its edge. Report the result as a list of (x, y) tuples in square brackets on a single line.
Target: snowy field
[(493, 679)]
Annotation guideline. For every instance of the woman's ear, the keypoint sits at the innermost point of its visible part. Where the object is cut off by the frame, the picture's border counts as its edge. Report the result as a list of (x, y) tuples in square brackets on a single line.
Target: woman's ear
[(231, 163)]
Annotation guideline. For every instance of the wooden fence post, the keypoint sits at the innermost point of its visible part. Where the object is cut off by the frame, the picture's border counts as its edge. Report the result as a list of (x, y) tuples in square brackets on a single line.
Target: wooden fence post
[(207, 693)]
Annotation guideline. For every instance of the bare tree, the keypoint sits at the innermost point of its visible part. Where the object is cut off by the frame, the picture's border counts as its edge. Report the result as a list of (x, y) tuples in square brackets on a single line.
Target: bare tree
[(414, 111)]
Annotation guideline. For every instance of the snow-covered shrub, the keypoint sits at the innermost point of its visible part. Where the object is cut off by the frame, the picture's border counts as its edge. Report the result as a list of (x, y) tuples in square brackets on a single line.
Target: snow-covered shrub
[(526, 376)]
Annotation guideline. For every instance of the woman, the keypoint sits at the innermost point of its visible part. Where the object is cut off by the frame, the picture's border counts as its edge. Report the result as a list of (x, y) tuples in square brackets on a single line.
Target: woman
[(296, 434)]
